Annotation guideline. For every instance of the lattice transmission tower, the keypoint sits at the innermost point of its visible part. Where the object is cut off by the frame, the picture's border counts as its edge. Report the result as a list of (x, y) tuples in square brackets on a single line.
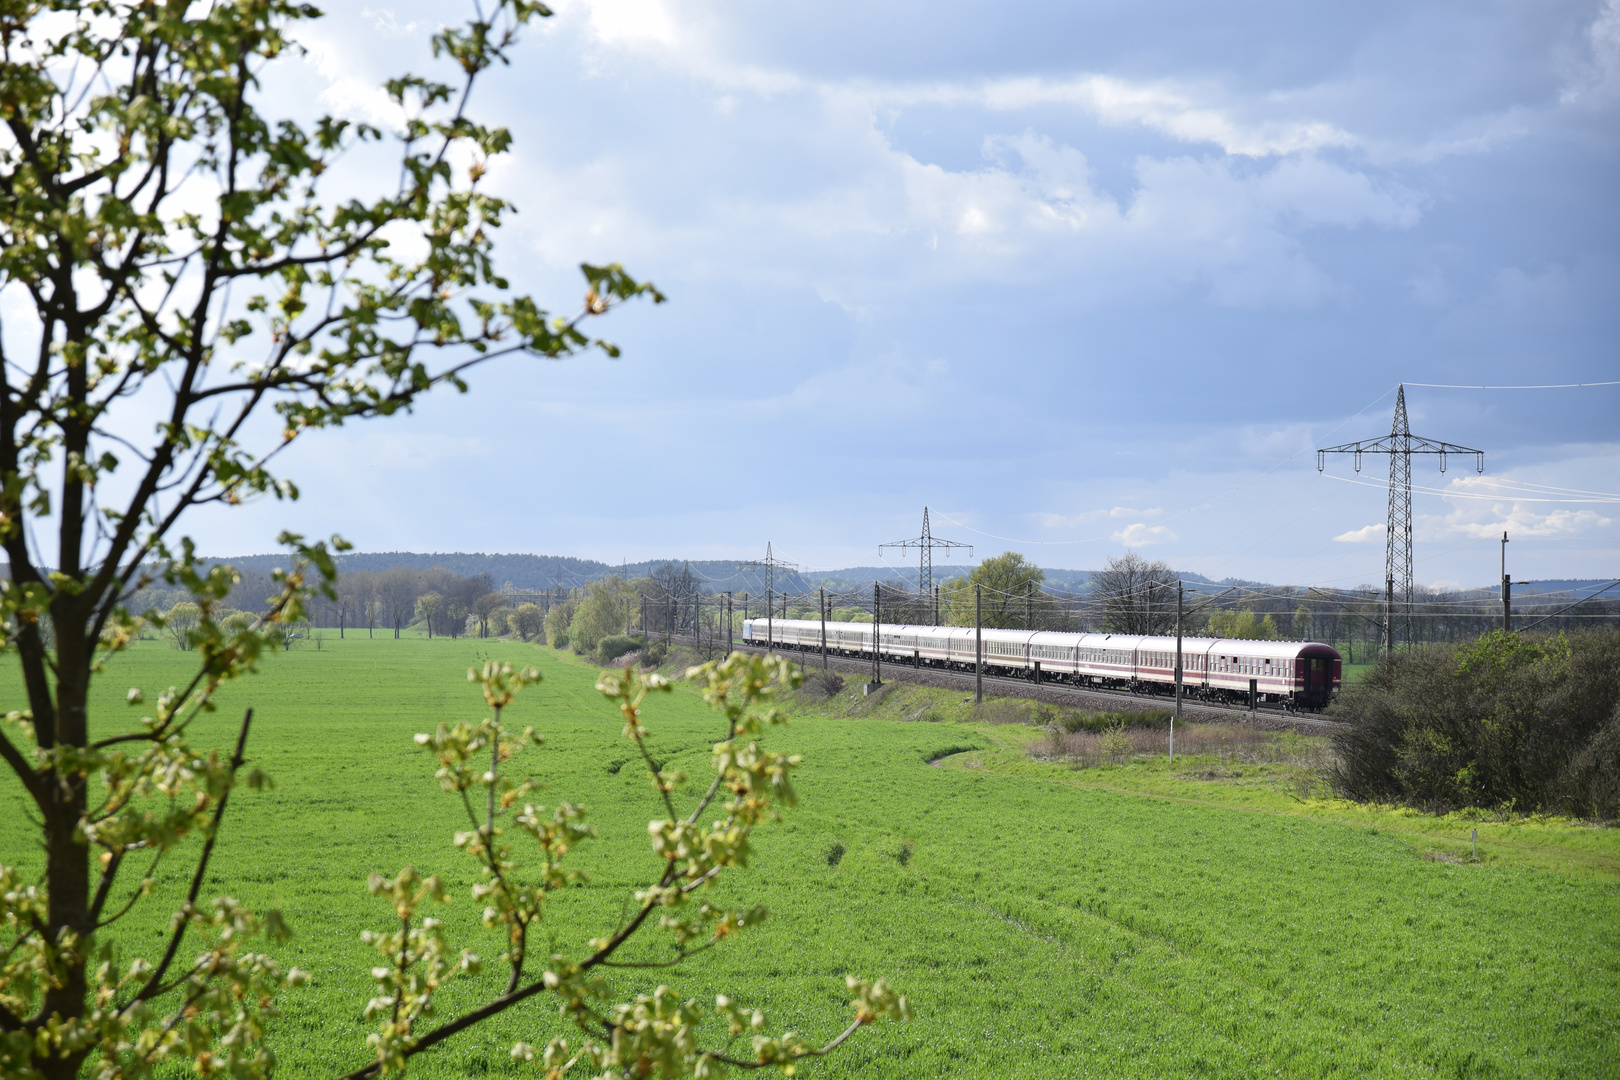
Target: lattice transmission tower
[(926, 545), (1400, 444)]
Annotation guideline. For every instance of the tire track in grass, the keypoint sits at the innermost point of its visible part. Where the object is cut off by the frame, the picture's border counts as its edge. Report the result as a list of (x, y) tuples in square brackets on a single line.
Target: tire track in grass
[(1280, 1051)]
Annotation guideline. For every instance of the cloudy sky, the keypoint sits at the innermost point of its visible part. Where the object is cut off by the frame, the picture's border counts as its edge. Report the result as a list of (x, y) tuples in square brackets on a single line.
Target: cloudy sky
[(1078, 276)]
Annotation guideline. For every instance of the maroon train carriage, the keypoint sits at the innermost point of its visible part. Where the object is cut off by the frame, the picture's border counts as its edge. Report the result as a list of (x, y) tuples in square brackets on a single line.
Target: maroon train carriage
[(1300, 674)]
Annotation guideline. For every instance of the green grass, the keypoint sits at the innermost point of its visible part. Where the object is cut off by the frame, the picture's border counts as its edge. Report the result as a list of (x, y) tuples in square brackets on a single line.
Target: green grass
[(1131, 921), (1354, 672)]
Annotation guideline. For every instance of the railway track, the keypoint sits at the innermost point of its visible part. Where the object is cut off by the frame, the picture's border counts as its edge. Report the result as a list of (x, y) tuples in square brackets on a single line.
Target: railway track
[(1271, 718)]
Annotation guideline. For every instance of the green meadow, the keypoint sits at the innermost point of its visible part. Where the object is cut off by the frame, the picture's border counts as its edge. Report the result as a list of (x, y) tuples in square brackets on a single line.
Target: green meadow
[(1138, 920)]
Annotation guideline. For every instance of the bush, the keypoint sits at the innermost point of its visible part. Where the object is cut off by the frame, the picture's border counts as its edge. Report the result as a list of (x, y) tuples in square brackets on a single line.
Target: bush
[(656, 653), (1116, 744), (1096, 723), (822, 684), (559, 640), (1504, 722), (614, 646)]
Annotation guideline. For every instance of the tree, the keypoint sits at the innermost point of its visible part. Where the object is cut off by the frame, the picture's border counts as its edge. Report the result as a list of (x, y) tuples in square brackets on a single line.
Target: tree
[(1006, 581), (671, 594), (179, 621), (170, 245), (428, 607), (1242, 626), (357, 593), (396, 589), (485, 606), (175, 248), (558, 620), (526, 621), (1135, 596), (455, 616), (602, 609)]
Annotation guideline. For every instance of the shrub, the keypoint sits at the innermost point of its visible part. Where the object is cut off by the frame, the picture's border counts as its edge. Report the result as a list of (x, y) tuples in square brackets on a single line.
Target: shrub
[(822, 684), (1116, 744), (1503, 722), (657, 652), (559, 640), (614, 646), (1096, 723)]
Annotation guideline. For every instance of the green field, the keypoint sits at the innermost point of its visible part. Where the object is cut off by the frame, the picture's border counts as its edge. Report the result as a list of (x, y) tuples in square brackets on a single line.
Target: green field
[(1131, 921), (1354, 672)]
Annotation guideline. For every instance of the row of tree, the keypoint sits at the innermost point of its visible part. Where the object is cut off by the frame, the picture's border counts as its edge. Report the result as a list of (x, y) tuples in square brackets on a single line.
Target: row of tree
[(1130, 596)]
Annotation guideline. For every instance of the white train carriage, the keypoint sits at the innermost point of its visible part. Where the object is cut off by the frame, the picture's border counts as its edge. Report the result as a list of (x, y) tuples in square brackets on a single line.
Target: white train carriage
[(1302, 673)]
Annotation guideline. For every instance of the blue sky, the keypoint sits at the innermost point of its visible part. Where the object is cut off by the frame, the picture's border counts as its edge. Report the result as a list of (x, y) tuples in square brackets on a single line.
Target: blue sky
[(1089, 276)]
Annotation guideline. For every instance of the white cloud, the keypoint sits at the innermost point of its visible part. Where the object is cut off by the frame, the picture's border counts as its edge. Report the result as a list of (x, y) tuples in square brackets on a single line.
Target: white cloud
[(1195, 114), (633, 23), (1364, 535), (1518, 519), (1142, 534), (1594, 78)]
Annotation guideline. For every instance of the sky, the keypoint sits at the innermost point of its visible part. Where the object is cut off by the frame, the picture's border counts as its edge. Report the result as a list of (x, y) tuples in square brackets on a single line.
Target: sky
[(1082, 278)]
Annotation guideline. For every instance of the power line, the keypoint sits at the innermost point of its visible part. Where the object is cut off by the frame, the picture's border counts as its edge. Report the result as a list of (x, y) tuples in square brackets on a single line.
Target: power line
[(1549, 386)]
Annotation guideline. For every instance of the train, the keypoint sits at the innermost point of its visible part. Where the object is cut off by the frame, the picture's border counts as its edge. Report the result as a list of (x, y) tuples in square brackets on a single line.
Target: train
[(1299, 675)]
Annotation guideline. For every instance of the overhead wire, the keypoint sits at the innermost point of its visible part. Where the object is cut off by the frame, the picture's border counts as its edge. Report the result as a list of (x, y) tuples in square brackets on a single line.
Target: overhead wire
[(1548, 386)]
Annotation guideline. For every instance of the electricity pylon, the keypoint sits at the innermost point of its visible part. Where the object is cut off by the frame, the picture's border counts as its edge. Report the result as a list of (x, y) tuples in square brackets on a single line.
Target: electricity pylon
[(1400, 444), (925, 545), (770, 562)]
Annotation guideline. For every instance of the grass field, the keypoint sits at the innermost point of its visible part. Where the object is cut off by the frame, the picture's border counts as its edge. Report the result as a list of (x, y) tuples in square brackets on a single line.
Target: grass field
[(1129, 921), (1354, 672)]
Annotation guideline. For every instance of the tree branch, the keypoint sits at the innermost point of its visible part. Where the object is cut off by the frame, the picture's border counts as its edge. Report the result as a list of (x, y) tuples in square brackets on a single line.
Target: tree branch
[(183, 919)]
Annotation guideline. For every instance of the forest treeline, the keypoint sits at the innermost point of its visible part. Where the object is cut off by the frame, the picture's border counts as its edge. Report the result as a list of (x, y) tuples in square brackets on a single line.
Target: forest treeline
[(441, 603), (435, 601), (1130, 595)]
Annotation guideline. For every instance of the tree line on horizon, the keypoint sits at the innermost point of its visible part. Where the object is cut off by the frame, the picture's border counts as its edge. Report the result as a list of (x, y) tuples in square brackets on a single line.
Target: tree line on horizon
[(1130, 595)]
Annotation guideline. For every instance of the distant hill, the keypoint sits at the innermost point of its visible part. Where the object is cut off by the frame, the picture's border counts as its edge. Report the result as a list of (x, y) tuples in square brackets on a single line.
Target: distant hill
[(537, 572), (1574, 586)]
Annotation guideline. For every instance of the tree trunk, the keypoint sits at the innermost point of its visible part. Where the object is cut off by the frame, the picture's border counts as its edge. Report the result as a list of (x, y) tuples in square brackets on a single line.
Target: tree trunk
[(67, 855)]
